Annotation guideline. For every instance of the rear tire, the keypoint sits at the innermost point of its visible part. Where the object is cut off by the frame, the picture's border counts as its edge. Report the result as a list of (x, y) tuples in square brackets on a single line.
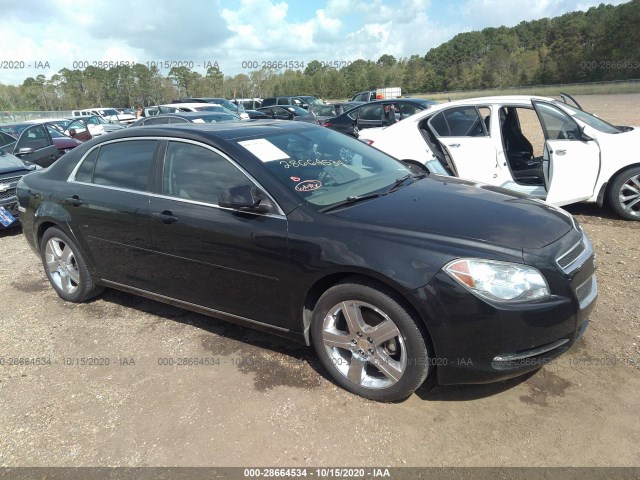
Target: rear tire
[(624, 194), (65, 267), (369, 343)]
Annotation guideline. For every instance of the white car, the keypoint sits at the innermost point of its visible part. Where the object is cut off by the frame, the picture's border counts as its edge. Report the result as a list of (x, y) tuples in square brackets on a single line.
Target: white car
[(109, 114), (193, 107), (535, 145)]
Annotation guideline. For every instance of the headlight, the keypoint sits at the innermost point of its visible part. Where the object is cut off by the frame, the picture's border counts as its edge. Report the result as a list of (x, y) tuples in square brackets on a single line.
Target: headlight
[(499, 281)]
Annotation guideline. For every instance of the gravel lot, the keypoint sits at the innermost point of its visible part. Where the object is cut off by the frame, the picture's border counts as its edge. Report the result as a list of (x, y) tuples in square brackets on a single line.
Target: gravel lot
[(265, 401)]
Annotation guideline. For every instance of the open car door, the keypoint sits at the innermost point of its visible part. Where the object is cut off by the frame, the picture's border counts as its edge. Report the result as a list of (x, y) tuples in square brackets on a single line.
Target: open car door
[(35, 145), (571, 161)]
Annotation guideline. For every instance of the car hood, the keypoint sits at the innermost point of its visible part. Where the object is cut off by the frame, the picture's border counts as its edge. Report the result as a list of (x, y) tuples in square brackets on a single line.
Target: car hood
[(459, 208), (10, 163)]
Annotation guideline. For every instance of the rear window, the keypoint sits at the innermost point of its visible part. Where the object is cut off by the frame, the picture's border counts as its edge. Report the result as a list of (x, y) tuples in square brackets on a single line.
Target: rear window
[(125, 164)]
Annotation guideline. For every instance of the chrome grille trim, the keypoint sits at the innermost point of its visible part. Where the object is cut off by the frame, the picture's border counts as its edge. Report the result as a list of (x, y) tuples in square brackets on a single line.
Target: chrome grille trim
[(575, 257)]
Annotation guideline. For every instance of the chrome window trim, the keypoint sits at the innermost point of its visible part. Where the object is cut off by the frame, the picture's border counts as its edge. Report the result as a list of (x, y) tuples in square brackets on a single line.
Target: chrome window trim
[(279, 214)]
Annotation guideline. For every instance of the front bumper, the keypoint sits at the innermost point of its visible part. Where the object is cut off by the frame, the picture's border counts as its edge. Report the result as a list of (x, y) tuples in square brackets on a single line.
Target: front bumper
[(477, 341)]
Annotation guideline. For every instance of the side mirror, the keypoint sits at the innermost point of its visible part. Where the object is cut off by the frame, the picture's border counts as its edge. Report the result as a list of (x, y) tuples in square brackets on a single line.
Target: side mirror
[(245, 198), (25, 151), (415, 167)]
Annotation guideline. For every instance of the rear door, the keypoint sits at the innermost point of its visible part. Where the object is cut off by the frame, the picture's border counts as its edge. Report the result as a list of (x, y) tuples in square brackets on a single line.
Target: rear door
[(108, 199), (462, 132), (36, 138), (571, 162)]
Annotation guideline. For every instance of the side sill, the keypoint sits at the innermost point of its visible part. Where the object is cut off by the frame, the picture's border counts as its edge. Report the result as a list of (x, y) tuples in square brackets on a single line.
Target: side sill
[(228, 317)]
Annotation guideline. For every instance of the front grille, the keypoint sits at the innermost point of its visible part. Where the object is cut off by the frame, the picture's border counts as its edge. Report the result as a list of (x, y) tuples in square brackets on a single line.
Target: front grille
[(571, 256), (8, 193), (587, 292)]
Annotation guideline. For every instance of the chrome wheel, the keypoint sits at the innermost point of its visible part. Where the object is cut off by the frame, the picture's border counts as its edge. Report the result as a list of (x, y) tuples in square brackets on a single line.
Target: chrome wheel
[(629, 196), (61, 263), (364, 344)]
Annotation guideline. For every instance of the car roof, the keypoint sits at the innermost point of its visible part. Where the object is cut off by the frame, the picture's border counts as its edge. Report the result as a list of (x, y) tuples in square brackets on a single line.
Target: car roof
[(499, 99), (222, 130), (190, 105)]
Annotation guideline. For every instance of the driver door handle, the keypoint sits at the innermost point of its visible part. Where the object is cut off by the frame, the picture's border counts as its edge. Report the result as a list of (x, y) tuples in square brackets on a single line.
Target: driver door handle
[(74, 200), (165, 217), (454, 145), (561, 152)]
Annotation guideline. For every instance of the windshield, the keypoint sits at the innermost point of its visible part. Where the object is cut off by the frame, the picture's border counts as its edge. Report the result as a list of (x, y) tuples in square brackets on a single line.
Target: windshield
[(298, 111), (14, 130), (324, 167), (213, 108), (55, 133), (593, 122), (109, 111), (312, 100)]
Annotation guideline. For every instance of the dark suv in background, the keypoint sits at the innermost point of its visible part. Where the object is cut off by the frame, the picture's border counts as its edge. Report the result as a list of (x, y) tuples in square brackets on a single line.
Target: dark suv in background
[(303, 101)]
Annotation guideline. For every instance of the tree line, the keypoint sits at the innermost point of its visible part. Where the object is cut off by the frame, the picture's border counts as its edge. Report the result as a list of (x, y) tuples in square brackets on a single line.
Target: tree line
[(600, 44)]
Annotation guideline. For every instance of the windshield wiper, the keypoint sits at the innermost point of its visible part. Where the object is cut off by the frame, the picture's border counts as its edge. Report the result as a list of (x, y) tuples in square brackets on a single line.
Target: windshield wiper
[(356, 198)]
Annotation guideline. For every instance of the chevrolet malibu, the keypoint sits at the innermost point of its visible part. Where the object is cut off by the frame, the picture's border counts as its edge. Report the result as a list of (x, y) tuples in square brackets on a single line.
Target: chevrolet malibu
[(306, 233)]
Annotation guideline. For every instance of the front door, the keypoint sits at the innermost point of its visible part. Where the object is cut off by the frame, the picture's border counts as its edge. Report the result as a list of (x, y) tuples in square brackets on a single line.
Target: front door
[(210, 256), (36, 138), (571, 161)]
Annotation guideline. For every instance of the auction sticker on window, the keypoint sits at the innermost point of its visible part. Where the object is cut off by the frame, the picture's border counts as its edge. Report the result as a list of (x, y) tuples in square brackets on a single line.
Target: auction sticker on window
[(264, 149), (308, 185)]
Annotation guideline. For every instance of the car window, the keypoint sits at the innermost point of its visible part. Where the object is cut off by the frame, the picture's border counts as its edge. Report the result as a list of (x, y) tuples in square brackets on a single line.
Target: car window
[(178, 120), (78, 126), (196, 173), (283, 101), (35, 137), (458, 122), (125, 164), (371, 112), (407, 109), (156, 121), (6, 139), (556, 124), (85, 171)]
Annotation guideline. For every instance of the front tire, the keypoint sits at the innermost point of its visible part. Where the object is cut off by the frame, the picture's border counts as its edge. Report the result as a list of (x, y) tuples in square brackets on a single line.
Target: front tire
[(624, 194), (65, 267), (369, 343)]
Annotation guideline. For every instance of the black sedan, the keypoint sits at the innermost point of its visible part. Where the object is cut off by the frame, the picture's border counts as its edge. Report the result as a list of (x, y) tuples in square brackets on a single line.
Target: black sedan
[(379, 113), (313, 235), (186, 117), (288, 112)]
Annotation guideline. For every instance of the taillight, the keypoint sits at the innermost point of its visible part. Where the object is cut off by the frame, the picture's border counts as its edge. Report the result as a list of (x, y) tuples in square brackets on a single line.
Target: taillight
[(327, 124), (368, 142)]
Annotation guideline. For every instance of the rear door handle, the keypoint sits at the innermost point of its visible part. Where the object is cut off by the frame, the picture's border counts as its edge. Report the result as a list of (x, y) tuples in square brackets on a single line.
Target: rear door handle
[(74, 200), (454, 145), (560, 152), (165, 217)]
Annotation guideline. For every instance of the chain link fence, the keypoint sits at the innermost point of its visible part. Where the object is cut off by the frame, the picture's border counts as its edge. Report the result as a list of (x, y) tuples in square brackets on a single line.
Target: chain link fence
[(10, 117)]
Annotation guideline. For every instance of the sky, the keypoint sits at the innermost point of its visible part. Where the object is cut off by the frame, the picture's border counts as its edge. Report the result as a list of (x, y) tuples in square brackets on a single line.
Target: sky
[(40, 37)]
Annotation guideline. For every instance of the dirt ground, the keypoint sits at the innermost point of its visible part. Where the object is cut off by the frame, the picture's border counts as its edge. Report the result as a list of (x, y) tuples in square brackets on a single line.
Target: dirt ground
[(268, 402)]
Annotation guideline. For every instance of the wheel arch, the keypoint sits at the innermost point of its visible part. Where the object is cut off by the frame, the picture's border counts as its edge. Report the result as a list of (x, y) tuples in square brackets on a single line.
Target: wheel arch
[(323, 284), (603, 195)]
